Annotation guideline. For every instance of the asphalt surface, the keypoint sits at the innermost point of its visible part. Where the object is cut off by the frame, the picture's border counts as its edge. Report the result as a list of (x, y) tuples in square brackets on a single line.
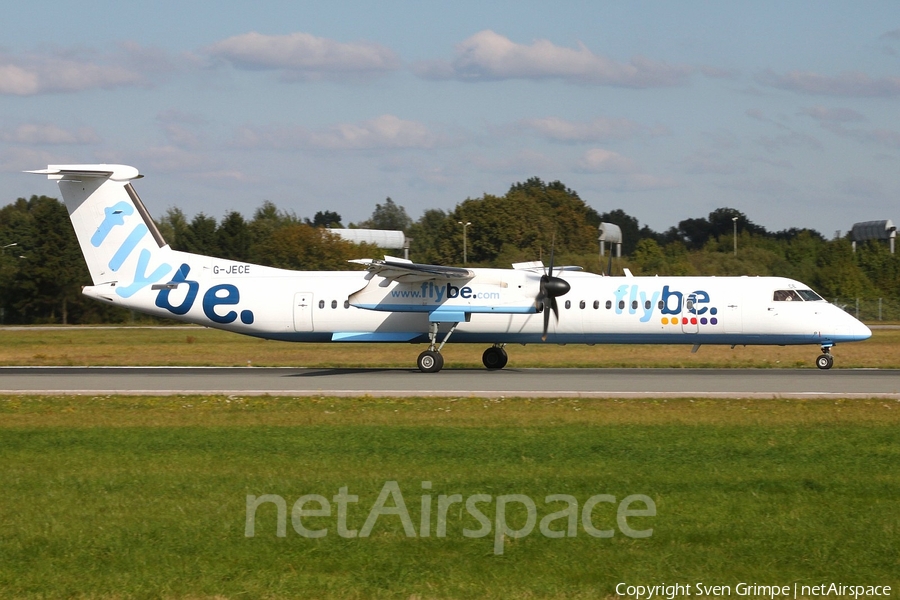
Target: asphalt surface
[(582, 383)]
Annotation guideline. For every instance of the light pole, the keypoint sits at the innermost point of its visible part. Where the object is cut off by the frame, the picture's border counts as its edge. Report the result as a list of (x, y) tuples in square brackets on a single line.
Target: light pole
[(465, 242), (734, 220)]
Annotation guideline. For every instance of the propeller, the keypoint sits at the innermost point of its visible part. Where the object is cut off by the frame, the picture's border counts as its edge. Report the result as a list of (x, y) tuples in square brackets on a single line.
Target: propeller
[(551, 288)]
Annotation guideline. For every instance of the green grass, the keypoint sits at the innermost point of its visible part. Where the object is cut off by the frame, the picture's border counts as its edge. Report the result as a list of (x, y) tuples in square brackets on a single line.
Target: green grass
[(145, 497), (196, 346)]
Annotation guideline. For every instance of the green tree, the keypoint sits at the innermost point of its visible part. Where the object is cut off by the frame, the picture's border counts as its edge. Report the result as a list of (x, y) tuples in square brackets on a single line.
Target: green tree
[(837, 275), (174, 228), (200, 237), (302, 247), (425, 235), (648, 257), (389, 216), (233, 237), (327, 218), (45, 286)]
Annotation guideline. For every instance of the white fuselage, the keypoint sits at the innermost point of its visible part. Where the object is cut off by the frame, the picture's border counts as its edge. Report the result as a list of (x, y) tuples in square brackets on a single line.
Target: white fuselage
[(398, 301), (496, 306)]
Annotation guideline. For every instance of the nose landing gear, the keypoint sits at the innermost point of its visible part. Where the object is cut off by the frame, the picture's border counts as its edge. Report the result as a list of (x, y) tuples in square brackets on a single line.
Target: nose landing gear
[(825, 360)]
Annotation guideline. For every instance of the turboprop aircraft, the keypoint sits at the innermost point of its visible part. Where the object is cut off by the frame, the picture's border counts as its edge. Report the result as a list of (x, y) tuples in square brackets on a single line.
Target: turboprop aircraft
[(396, 300)]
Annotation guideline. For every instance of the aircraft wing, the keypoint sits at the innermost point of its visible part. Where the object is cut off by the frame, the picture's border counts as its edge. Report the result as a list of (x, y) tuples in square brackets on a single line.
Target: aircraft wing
[(405, 271)]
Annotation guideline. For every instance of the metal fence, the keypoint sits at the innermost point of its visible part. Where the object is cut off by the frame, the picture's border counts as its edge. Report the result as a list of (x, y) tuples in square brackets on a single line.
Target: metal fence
[(871, 310)]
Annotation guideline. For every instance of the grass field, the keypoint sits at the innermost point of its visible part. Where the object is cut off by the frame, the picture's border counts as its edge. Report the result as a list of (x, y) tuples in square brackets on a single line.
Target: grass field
[(209, 347), (135, 497)]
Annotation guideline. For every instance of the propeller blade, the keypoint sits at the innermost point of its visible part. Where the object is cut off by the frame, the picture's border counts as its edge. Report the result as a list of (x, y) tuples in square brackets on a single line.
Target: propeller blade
[(546, 312), (552, 248), (550, 288)]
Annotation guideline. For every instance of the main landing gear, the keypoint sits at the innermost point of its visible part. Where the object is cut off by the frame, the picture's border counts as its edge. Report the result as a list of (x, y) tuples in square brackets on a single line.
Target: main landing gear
[(495, 357), (825, 360), (431, 361)]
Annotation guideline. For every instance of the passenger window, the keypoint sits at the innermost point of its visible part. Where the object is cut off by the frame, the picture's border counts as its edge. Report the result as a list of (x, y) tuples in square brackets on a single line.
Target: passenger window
[(568, 304), (346, 304), (608, 304), (621, 304), (596, 304), (581, 304), (321, 304), (334, 304)]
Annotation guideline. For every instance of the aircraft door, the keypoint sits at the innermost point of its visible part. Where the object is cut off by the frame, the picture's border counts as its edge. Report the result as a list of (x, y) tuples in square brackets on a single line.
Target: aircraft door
[(303, 311), (689, 321), (733, 317)]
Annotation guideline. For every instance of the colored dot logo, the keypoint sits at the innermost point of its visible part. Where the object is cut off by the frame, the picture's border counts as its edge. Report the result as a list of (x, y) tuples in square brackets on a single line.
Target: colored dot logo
[(692, 321)]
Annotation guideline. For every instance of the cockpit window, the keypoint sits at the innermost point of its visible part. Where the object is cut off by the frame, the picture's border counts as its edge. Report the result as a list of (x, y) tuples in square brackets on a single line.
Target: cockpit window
[(786, 296), (809, 295), (795, 295)]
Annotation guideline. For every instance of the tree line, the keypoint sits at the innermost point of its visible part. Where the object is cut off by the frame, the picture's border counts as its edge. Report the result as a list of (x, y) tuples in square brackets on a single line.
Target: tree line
[(42, 270)]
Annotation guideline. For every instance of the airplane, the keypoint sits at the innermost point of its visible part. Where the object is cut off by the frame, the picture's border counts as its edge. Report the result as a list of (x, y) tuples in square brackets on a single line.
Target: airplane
[(399, 301)]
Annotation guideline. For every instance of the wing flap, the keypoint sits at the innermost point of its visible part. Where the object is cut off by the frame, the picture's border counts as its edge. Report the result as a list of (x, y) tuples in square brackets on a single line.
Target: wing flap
[(405, 271)]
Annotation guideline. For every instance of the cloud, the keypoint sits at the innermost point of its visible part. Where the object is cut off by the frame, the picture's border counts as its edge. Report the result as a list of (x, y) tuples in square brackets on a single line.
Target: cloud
[(62, 70), (488, 56), (24, 158), (834, 119), (706, 163), (832, 115), (765, 187), (524, 161), (794, 139), (718, 73), (39, 134), (183, 130), (598, 160), (894, 34), (301, 56), (170, 159), (860, 186), (384, 132), (851, 84), (598, 130)]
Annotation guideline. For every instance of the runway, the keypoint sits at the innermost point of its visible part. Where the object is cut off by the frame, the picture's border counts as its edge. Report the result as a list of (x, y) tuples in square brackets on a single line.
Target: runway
[(579, 383)]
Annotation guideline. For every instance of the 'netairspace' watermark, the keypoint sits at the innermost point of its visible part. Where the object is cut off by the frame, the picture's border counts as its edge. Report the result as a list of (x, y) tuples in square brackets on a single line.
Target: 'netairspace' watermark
[(568, 516), (753, 590)]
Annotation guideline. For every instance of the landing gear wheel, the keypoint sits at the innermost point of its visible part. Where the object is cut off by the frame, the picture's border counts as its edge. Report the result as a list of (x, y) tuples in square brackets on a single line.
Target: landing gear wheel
[(430, 361), (825, 361), (494, 358)]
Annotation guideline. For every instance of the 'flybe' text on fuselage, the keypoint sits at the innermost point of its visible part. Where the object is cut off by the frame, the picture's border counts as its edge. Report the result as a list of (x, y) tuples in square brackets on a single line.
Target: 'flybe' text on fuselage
[(696, 304)]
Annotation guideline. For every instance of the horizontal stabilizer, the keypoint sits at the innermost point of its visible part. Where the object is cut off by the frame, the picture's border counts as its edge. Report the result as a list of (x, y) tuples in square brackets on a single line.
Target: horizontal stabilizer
[(73, 172)]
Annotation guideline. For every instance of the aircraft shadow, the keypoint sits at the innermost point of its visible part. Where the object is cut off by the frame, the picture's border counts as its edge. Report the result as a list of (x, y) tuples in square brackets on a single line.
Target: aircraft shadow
[(344, 371)]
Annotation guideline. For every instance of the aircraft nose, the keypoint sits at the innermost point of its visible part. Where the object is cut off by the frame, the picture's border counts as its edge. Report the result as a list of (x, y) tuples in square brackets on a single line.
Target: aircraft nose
[(855, 330), (861, 331)]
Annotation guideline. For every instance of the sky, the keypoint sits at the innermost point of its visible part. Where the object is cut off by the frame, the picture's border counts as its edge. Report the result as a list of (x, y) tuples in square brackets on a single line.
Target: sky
[(786, 111)]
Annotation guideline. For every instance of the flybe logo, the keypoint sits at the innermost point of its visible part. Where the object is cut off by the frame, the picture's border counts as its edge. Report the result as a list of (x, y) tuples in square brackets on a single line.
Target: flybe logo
[(224, 294), (674, 307), (114, 216), (216, 297)]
